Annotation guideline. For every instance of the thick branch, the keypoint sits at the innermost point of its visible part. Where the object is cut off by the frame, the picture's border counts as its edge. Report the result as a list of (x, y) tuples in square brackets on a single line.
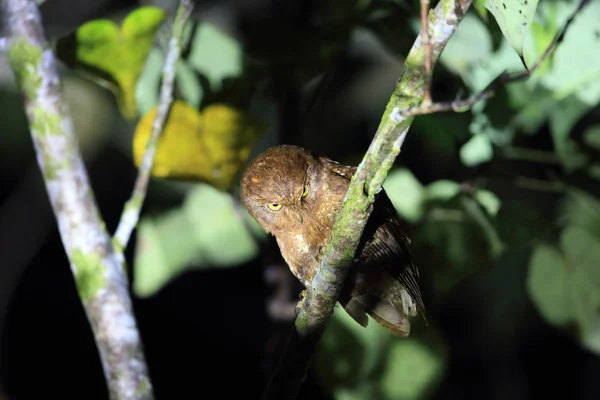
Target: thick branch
[(97, 267), (133, 207), (366, 183)]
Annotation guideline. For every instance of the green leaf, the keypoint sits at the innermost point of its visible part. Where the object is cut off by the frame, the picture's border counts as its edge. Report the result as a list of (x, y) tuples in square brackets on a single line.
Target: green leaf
[(120, 53), (470, 46), (165, 247), (542, 35), (452, 243), (489, 201), (147, 88), (215, 54), (208, 231), (406, 193), (576, 61), (514, 18), (189, 84), (547, 285), (339, 359), (565, 288), (412, 369), (142, 22), (353, 362), (583, 252), (582, 210), (220, 227), (442, 190), (476, 151)]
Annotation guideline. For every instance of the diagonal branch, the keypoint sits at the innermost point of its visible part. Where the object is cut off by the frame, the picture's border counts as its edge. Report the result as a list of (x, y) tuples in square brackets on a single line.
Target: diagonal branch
[(98, 269), (352, 218), (133, 207)]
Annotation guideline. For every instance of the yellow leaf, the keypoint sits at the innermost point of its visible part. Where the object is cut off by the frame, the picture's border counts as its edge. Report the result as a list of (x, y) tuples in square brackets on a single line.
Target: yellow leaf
[(211, 146), (120, 52)]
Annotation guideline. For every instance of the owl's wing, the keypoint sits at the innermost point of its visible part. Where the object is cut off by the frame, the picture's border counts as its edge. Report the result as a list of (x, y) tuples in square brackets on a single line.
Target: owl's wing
[(389, 245), (345, 171)]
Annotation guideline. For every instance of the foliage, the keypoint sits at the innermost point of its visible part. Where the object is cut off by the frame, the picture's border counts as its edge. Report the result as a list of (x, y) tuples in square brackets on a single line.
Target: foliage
[(117, 53), (476, 195), (565, 284), (195, 236), (514, 18), (366, 363), (210, 146)]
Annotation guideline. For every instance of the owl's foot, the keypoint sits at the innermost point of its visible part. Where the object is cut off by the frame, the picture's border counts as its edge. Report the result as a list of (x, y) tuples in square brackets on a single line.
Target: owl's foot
[(302, 297)]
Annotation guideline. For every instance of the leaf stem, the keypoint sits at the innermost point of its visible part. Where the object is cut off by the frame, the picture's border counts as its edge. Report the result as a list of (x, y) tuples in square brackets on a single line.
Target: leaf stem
[(133, 207)]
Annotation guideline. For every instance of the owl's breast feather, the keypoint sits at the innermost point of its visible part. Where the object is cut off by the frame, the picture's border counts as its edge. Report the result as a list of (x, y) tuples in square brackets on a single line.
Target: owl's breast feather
[(300, 256)]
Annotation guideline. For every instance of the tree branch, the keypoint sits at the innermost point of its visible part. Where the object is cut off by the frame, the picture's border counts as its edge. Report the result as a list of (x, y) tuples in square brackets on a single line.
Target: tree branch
[(133, 207), (96, 266), (426, 48), (352, 218), (463, 105)]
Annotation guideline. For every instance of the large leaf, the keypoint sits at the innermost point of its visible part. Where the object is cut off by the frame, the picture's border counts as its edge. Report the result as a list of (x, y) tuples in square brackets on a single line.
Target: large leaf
[(413, 369), (576, 61), (209, 231), (477, 150), (565, 285), (582, 210), (547, 284), (360, 363), (120, 52), (210, 146), (406, 193), (514, 18), (471, 45), (215, 54)]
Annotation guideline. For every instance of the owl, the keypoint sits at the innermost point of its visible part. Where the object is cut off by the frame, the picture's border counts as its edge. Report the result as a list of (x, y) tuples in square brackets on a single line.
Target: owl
[(296, 196)]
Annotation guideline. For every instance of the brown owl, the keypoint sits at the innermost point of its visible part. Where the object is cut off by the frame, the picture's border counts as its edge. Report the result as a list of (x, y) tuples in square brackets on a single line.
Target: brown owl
[(296, 197)]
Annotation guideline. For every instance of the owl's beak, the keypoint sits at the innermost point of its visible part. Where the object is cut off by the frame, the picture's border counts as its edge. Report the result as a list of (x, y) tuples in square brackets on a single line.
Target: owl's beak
[(297, 216)]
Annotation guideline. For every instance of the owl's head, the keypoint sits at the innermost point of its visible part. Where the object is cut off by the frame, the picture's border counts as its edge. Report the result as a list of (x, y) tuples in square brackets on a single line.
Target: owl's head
[(276, 187)]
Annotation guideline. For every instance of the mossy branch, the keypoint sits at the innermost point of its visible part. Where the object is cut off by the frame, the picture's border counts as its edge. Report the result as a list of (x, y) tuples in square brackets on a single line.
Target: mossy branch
[(352, 218), (97, 267), (133, 207)]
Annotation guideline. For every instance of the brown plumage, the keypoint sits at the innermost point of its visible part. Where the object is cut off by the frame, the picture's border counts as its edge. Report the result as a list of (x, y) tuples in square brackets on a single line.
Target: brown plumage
[(296, 196)]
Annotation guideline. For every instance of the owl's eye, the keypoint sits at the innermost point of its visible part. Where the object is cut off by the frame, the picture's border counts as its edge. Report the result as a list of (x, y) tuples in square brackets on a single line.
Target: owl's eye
[(305, 191), (274, 206)]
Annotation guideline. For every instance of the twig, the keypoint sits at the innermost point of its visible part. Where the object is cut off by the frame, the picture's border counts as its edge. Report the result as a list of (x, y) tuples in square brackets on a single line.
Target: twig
[(96, 266), (133, 207), (352, 218), (427, 49), (503, 79)]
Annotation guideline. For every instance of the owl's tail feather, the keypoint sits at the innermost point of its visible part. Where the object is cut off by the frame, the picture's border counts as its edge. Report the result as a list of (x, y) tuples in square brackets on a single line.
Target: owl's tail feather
[(386, 315), (357, 311)]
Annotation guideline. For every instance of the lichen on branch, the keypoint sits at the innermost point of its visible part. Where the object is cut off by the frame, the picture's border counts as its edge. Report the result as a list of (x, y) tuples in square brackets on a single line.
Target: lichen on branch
[(352, 218), (98, 269)]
